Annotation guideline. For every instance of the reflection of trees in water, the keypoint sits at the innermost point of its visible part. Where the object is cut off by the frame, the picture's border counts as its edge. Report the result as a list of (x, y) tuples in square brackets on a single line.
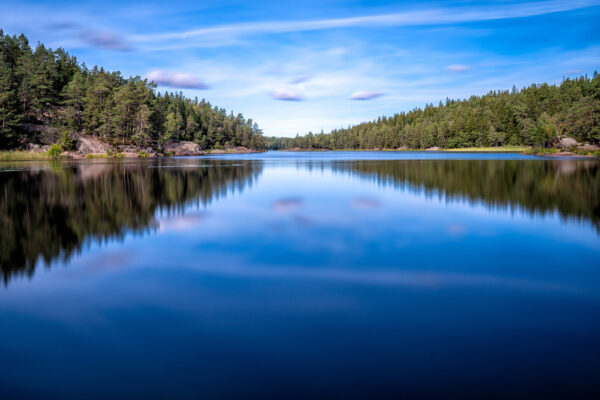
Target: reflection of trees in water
[(571, 187), (50, 214)]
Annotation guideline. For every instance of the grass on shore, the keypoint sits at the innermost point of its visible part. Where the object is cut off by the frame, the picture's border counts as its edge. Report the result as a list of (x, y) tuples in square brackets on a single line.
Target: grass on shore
[(104, 155), (18, 155), (502, 149), (540, 151)]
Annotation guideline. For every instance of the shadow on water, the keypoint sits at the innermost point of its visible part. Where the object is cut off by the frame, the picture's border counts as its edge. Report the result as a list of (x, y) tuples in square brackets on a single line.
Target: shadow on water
[(49, 212)]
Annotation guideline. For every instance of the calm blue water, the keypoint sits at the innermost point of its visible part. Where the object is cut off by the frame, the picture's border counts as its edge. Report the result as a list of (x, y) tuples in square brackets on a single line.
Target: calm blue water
[(301, 275)]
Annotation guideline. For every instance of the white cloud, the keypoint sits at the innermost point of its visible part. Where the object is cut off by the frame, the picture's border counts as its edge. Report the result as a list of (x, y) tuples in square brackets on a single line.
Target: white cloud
[(361, 95), (105, 40), (226, 34), (458, 68), (300, 79), (286, 95), (176, 80)]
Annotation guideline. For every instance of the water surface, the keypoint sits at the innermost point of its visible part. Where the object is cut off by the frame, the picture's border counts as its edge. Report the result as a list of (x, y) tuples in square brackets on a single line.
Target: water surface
[(309, 275)]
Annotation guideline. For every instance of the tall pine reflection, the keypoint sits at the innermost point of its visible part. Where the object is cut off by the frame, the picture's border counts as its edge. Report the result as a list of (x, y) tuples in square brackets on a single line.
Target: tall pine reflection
[(50, 213)]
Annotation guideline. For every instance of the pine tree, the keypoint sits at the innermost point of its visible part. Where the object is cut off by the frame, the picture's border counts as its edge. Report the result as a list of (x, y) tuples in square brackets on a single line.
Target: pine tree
[(10, 116)]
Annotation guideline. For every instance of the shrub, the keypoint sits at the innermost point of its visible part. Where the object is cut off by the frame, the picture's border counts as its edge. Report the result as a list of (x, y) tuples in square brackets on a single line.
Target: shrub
[(540, 151), (67, 142), (54, 150)]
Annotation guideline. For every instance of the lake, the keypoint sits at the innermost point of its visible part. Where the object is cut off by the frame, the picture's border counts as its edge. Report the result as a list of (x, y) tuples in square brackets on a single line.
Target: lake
[(301, 275)]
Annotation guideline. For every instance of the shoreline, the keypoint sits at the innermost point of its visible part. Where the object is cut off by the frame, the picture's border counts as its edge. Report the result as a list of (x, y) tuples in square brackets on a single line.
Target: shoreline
[(504, 149), (525, 150), (23, 155)]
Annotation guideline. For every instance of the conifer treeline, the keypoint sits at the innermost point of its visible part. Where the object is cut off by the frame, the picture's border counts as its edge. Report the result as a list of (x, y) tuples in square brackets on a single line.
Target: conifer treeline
[(536, 115), (42, 88)]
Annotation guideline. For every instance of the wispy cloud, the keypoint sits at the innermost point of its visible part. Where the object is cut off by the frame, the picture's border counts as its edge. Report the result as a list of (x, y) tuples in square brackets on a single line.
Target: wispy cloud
[(286, 95), (458, 68), (62, 25), (300, 79), (430, 16), (105, 40), (365, 203), (365, 95), (176, 80), (286, 205)]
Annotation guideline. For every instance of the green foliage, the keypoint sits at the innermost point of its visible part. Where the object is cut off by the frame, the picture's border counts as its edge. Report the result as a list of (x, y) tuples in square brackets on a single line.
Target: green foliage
[(67, 142), (540, 151), (534, 116), (143, 154), (54, 150), (41, 87)]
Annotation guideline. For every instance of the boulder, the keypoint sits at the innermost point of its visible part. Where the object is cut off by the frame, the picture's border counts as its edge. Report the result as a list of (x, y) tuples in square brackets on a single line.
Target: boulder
[(33, 147), (183, 148), (88, 144), (568, 142), (241, 149), (128, 149), (588, 147), (435, 148)]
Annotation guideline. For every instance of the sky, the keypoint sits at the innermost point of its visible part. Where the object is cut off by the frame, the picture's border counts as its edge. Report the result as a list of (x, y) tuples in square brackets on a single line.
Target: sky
[(300, 66)]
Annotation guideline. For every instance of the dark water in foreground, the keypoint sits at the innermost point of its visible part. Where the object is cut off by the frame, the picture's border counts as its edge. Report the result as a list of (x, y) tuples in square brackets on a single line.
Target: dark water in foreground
[(312, 275)]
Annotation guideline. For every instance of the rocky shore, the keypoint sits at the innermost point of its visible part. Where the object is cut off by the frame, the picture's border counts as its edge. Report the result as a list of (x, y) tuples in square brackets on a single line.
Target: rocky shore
[(92, 147)]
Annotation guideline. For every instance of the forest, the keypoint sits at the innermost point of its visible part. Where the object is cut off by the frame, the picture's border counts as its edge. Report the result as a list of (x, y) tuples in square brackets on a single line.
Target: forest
[(48, 93), (538, 115)]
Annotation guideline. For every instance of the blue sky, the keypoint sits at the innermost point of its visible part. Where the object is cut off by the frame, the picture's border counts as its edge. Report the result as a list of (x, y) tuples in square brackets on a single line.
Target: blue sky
[(297, 66)]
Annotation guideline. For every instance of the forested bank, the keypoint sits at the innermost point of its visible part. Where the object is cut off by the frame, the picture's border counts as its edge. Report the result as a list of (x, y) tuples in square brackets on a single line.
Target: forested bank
[(538, 115), (48, 96)]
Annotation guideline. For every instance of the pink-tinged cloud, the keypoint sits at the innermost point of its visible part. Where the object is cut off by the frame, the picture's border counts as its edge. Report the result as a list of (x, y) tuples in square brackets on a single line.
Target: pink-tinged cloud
[(365, 203), (458, 68), (176, 80), (286, 95), (105, 40), (365, 95), (286, 205), (300, 79)]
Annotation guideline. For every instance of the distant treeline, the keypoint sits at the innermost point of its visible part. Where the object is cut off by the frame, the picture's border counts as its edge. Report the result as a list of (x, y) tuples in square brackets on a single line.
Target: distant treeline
[(535, 116), (44, 90)]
